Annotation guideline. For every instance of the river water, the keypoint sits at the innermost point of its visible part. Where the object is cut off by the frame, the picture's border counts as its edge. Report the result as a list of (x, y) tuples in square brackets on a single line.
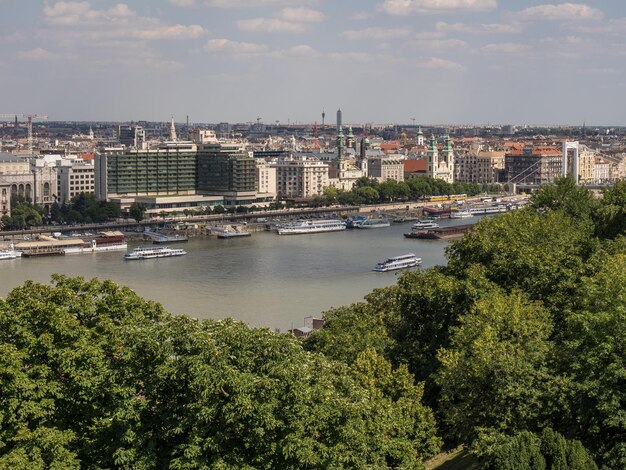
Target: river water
[(264, 280)]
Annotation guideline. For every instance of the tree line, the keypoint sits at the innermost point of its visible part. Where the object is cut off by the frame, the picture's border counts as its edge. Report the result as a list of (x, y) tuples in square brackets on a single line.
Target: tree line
[(371, 191)]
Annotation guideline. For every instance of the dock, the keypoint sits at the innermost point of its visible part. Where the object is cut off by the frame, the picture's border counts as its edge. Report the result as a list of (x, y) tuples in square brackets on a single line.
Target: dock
[(158, 237)]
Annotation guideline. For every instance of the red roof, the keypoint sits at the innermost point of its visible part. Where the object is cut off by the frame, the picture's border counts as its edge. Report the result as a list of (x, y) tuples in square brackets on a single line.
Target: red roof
[(415, 166)]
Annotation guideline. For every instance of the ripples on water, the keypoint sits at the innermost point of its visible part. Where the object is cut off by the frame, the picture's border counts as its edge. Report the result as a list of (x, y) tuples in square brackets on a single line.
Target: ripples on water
[(265, 280)]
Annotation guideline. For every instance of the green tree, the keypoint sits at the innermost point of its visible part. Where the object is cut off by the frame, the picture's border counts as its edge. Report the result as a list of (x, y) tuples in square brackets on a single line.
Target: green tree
[(610, 219), (137, 211), (496, 373), (96, 377), (566, 196)]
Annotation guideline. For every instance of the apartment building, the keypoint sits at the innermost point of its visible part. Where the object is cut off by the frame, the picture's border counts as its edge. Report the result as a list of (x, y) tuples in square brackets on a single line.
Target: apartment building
[(300, 176)]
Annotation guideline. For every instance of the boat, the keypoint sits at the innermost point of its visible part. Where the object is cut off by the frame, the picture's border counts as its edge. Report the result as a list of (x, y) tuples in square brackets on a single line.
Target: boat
[(223, 233), (354, 222), (43, 251), (398, 262), (424, 225), (105, 241), (312, 226), (461, 215), (443, 233), (9, 254), (403, 219), (378, 222), (158, 237), (150, 252)]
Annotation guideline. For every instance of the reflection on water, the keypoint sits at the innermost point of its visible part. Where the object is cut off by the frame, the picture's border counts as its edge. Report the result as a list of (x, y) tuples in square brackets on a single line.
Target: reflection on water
[(264, 280)]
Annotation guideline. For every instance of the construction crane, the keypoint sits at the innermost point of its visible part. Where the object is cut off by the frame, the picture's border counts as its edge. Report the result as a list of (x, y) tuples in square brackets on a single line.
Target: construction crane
[(29, 118)]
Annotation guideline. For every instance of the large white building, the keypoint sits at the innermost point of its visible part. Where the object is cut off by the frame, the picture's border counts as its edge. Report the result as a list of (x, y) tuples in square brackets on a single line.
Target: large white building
[(266, 181), (36, 180), (300, 176)]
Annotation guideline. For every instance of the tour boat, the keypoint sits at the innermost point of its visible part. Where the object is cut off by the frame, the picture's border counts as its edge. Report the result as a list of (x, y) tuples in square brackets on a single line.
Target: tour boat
[(150, 252), (374, 223), (398, 262), (424, 225), (312, 226), (9, 254), (461, 215)]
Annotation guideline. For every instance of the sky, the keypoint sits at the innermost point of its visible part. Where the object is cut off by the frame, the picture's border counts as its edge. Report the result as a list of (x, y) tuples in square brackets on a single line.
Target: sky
[(381, 61)]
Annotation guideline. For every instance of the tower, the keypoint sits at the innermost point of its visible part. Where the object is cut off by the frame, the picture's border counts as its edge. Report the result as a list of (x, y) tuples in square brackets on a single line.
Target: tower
[(340, 145), (432, 157), (350, 143), (323, 117), (448, 158), (173, 131), (420, 136), (339, 121)]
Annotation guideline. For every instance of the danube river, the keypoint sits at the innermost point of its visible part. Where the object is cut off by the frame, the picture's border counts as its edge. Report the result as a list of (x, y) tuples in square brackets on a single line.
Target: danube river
[(264, 280)]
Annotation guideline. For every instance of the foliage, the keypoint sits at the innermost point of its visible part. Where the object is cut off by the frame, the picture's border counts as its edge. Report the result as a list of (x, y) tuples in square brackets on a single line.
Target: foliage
[(96, 377), (594, 353), (611, 216), (544, 255), (84, 207), (566, 196), (137, 211), (549, 451), (495, 372), (24, 214)]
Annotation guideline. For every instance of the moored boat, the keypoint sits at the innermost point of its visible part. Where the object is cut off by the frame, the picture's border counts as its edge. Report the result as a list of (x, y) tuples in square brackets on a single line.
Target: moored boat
[(461, 215), (408, 260), (424, 225), (151, 252), (375, 222), (312, 226)]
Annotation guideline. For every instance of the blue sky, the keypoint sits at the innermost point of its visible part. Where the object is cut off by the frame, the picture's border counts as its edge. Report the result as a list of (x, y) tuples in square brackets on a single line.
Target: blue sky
[(437, 61)]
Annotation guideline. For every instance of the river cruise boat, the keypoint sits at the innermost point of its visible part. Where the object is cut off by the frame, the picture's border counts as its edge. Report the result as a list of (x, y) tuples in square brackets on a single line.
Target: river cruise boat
[(424, 225), (398, 262), (312, 226), (461, 215), (378, 222), (9, 254), (151, 252)]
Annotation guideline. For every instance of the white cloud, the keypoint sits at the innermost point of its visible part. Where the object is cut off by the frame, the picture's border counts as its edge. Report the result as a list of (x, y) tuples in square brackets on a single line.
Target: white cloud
[(484, 28), (300, 51), (408, 7), (270, 25), (506, 48), (177, 31), (234, 47), (301, 14), (443, 64), (560, 12), (375, 33), (35, 55), (182, 3), (440, 44), (253, 3)]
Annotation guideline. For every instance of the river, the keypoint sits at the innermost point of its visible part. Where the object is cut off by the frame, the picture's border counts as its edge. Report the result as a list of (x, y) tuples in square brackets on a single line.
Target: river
[(264, 280)]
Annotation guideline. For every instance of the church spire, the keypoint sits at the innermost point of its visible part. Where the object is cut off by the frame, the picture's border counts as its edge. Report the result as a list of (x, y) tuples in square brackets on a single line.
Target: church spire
[(173, 137)]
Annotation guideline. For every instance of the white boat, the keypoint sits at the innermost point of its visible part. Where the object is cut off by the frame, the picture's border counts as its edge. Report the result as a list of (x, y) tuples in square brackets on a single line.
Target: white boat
[(151, 252), (424, 225), (312, 226), (230, 232), (9, 254), (398, 262), (461, 215), (374, 223)]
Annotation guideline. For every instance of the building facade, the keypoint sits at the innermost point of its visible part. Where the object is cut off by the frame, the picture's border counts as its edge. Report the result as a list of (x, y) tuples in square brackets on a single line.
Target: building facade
[(74, 178), (301, 177), (481, 167), (533, 166), (441, 165), (390, 167)]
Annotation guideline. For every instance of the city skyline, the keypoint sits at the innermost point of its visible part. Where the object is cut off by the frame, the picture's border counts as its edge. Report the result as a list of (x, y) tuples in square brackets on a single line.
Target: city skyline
[(444, 61)]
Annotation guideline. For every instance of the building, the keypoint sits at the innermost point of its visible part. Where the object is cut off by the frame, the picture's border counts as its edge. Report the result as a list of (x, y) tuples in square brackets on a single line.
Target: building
[(586, 165), (266, 182), (73, 178), (34, 179), (300, 176), (390, 167), (535, 166), (441, 166), (602, 170), (480, 166), (227, 170), (132, 136), (168, 170)]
